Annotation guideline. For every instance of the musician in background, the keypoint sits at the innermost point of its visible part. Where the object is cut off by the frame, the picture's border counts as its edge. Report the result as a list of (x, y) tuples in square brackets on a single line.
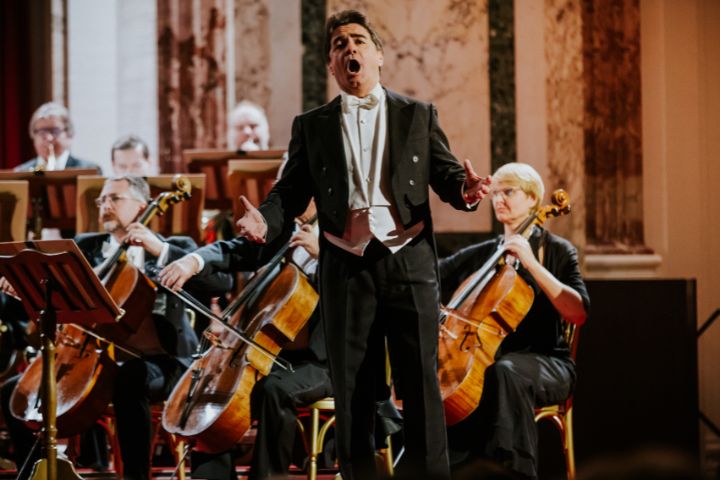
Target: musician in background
[(52, 132), (140, 381), (533, 365), (249, 128), (130, 155)]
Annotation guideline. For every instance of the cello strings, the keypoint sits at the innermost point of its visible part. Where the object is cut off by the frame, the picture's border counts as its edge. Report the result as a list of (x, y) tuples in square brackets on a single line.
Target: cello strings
[(497, 331), (194, 303)]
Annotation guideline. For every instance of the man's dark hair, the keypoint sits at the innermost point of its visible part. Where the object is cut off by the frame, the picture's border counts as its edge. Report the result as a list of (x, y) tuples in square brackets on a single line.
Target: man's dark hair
[(130, 142), (347, 17)]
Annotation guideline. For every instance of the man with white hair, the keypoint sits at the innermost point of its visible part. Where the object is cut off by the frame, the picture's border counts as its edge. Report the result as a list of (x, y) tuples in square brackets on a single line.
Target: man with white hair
[(249, 130)]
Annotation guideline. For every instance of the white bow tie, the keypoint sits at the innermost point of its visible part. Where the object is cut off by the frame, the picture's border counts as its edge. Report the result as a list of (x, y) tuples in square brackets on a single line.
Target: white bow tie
[(367, 103)]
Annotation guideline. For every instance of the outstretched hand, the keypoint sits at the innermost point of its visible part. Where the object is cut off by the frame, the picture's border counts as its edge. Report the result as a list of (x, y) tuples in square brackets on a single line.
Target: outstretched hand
[(475, 187), (252, 224)]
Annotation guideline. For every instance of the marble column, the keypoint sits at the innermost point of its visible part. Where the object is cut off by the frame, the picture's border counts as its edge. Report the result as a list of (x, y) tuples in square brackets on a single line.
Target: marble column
[(565, 113), (192, 83), (612, 126)]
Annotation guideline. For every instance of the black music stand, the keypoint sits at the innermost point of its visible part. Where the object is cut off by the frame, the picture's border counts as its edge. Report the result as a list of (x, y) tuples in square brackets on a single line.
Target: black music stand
[(57, 285)]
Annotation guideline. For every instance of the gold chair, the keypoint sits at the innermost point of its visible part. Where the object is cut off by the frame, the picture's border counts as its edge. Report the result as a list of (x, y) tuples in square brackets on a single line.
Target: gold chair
[(561, 414), (321, 410), (322, 418), (14, 200), (324, 410), (251, 178)]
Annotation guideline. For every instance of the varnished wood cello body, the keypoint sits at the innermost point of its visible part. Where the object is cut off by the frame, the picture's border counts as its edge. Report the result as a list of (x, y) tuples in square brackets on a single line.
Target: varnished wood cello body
[(485, 309), (85, 361), (211, 402)]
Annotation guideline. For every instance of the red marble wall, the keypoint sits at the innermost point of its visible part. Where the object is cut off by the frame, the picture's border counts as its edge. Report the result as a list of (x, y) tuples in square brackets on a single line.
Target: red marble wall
[(192, 78), (612, 126)]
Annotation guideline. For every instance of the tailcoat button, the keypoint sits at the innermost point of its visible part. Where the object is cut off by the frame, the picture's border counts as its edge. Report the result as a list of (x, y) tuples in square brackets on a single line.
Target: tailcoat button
[(415, 159), (412, 183)]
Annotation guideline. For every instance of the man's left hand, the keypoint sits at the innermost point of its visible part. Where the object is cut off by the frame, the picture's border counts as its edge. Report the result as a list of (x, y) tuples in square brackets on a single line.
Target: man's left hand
[(138, 234), (475, 187)]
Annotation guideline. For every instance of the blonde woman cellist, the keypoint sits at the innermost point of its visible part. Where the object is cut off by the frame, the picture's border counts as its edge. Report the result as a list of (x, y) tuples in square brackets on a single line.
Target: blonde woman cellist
[(533, 366)]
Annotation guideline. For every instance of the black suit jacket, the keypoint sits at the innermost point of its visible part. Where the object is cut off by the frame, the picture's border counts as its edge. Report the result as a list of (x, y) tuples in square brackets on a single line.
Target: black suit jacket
[(419, 158), (72, 162), (177, 336)]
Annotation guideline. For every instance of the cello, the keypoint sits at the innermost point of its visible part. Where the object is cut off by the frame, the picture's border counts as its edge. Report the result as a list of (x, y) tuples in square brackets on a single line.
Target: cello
[(85, 360), (486, 308), (210, 404)]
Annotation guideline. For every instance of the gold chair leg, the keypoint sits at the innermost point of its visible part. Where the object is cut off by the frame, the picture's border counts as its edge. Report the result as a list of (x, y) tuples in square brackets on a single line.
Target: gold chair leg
[(569, 445), (180, 457), (314, 433)]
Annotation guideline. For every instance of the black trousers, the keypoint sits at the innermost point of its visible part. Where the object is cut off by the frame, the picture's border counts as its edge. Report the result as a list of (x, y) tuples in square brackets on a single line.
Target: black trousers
[(141, 382), (274, 402), (364, 301), (503, 428)]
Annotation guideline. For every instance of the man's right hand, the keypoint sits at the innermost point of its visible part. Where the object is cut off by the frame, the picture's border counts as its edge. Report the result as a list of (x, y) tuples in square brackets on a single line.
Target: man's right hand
[(251, 225), (178, 272)]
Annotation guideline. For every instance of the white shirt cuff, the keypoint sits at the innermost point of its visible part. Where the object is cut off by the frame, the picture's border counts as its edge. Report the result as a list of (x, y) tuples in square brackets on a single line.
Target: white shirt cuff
[(162, 258), (200, 261)]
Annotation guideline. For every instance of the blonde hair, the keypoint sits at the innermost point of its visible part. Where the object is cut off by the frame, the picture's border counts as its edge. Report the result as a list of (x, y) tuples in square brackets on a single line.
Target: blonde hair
[(523, 176)]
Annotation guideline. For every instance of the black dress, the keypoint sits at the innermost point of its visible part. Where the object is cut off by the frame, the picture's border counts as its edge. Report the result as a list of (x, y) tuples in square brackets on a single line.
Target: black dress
[(533, 366)]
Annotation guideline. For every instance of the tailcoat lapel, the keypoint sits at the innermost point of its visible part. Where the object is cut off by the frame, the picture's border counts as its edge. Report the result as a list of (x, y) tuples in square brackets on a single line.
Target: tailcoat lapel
[(400, 116), (331, 140), (331, 162)]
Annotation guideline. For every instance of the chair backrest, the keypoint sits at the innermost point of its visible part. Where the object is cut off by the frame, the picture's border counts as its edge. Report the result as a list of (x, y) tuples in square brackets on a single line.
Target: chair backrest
[(571, 336), (182, 219), (214, 164), (252, 178), (13, 210), (51, 196)]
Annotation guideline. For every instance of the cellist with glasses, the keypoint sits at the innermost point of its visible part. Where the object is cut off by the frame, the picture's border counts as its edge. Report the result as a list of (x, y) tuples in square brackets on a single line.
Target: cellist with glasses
[(533, 366), (146, 379)]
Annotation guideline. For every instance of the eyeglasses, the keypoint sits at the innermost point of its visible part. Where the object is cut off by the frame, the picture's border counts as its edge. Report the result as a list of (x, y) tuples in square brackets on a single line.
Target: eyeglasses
[(114, 198), (504, 193), (54, 131)]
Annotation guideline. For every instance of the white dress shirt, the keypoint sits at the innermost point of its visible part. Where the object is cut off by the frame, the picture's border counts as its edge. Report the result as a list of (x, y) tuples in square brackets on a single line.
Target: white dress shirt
[(135, 254), (372, 213)]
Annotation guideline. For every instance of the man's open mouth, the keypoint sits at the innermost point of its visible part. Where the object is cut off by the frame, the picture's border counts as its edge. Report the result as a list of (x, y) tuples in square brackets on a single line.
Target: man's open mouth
[(353, 66)]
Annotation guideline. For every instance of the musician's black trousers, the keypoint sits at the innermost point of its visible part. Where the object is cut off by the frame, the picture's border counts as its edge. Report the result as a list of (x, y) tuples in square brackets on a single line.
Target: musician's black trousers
[(274, 402), (365, 300), (275, 399), (140, 383), (503, 428)]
